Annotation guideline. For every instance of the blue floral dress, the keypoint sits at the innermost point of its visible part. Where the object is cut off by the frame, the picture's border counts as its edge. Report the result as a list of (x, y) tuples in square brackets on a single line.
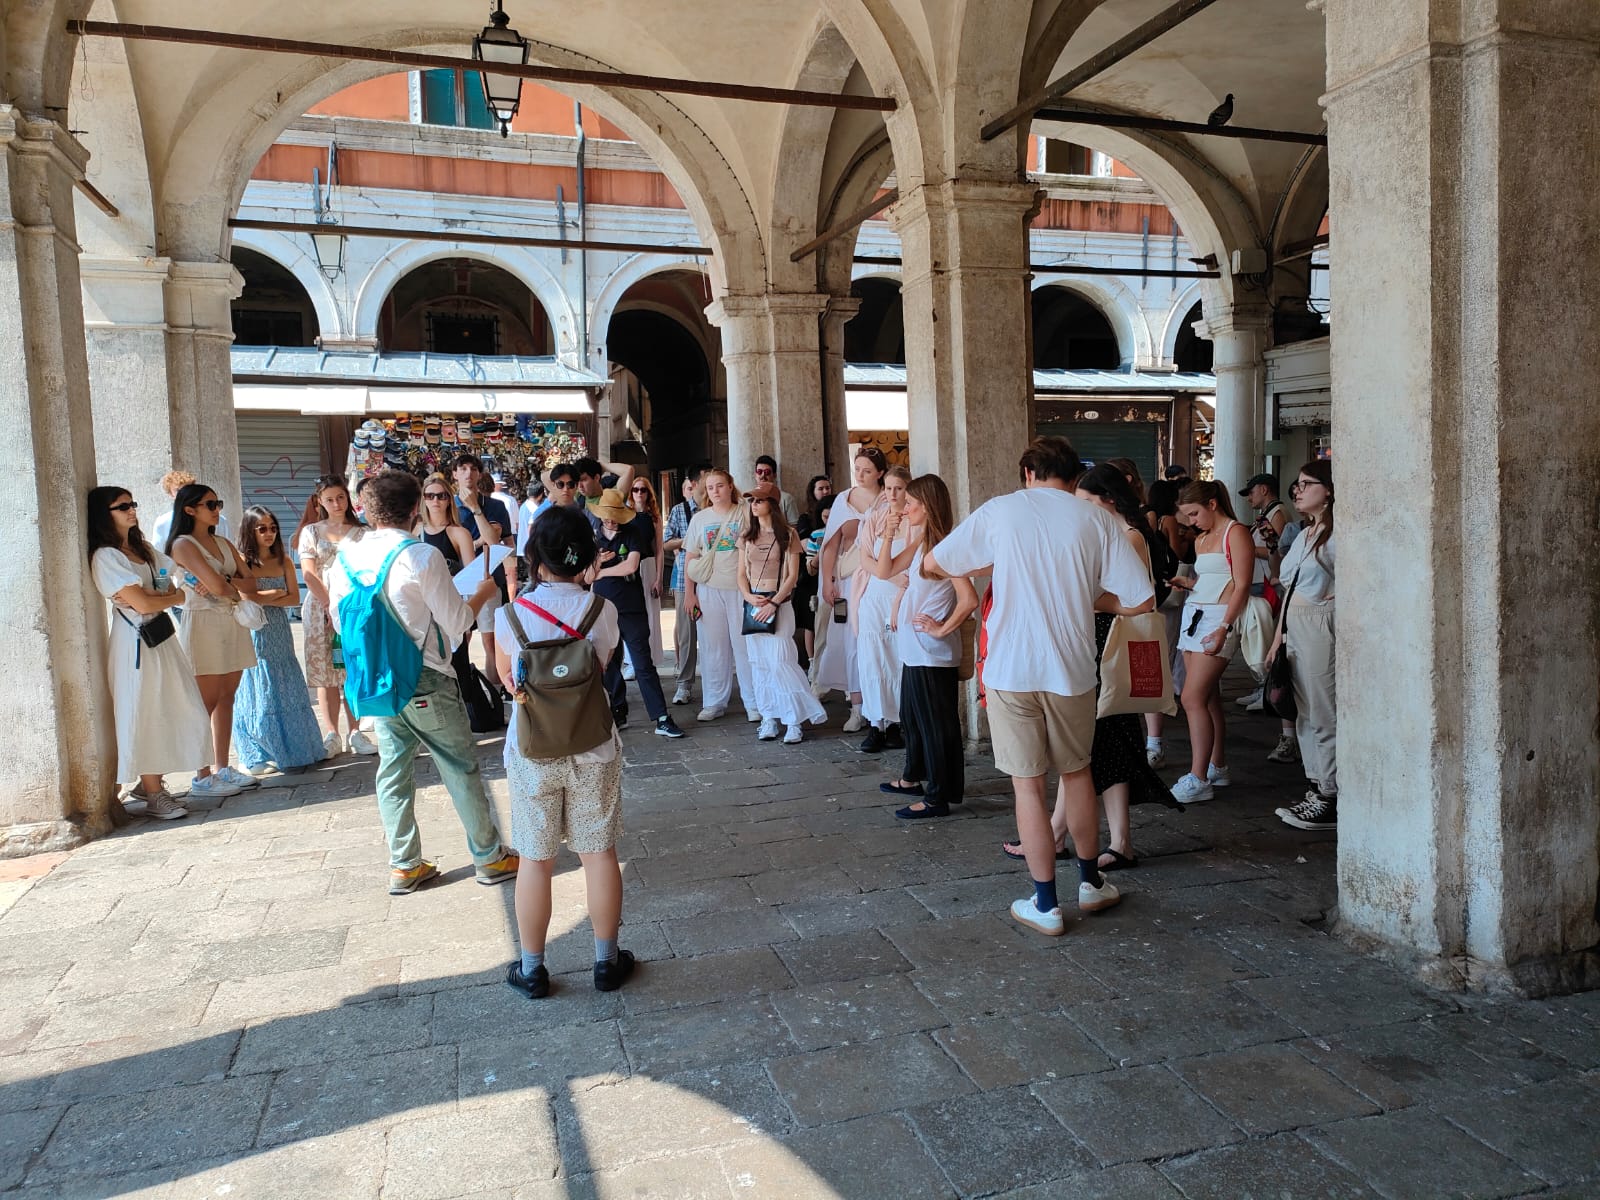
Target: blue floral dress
[(272, 717)]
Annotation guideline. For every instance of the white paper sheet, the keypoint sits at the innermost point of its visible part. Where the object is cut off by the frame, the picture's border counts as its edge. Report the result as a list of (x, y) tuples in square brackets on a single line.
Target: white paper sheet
[(475, 572)]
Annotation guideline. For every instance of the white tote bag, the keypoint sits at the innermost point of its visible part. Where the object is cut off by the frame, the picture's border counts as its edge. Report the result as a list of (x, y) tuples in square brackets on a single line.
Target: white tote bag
[(1136, 667)]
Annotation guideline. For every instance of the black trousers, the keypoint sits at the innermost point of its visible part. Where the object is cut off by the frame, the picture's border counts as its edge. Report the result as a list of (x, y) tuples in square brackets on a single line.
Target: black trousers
[(635, 631), (930, 719)]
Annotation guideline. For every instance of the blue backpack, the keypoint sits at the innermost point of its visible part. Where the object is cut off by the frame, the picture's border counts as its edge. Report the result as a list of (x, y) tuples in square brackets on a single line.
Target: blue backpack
[(382, 665)]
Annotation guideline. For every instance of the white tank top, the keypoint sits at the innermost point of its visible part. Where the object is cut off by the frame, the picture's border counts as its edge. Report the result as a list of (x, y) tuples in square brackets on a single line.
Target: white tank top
[(1212, 573)]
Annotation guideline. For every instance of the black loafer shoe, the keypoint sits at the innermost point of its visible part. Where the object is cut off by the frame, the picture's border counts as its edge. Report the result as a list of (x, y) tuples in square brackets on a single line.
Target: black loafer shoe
[(893, 739), (609, 976), (917, 814), (535, 986), (914, 790), (873, 742)]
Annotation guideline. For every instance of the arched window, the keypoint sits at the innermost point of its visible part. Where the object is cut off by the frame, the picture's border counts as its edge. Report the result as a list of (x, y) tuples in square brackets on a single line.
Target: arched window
[(464, 306), (273, 309), (1070, 333)]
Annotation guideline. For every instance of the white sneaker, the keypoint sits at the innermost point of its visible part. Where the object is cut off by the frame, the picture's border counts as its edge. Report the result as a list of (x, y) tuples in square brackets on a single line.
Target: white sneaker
[(1093, 899), (263, 770), (1027, 913), (1286, 751), (237, 778), (793, 736), (769, 730), (1252, 702), (752, 716), (213, 787), (1218, 776), (856, 723), (681, 696), (360, 743), (1190, 790), (367, 724), (1156, 756), (710, 714), (332, 744), (627, 671)]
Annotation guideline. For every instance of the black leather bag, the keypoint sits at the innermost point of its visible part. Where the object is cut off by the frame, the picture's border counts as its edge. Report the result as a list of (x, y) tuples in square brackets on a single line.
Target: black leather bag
[(155, 631), (751, 625), (1277, 689)]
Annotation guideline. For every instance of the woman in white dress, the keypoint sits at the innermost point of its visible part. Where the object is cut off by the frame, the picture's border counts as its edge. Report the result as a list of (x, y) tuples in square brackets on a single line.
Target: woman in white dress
[(219, 648), (769, 569), (875, 609), (161, 720), (715, 605), (835, 665), (326, 523)]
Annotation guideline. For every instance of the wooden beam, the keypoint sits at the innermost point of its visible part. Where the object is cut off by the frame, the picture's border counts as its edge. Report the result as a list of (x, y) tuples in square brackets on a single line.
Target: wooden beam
[(1080, 116), (411, 59), (858, 217), (1070, 269), (98, 198), (1164, 21), (469, 239), (1302, 249)]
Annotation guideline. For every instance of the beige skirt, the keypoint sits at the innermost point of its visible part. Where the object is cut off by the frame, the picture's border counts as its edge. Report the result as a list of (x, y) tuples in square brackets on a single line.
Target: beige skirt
[(215, 642)]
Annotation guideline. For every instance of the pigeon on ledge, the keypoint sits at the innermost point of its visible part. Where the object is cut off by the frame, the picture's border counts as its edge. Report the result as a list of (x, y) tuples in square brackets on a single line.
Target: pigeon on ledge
[(1223, 112)]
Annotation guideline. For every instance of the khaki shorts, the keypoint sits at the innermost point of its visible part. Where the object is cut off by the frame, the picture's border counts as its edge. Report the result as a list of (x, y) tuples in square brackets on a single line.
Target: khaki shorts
[(564, 800), (1033, 732)]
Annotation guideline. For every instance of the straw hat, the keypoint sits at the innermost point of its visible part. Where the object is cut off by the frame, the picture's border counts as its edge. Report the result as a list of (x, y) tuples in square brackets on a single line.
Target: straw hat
[(610, 507)]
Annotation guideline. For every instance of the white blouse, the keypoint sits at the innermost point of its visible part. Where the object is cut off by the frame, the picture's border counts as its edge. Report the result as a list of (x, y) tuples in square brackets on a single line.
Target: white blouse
[(1309, 565)]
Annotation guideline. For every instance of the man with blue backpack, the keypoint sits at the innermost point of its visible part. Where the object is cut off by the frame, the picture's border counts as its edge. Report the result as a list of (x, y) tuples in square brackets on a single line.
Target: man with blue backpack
[(399, 617)]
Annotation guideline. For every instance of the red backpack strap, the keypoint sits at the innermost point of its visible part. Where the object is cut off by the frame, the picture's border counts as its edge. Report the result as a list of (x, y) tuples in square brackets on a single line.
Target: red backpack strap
[(553, 619)]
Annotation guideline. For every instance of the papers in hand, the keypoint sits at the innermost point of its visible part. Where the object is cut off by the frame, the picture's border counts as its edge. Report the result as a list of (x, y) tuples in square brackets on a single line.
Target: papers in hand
[(475, 572)]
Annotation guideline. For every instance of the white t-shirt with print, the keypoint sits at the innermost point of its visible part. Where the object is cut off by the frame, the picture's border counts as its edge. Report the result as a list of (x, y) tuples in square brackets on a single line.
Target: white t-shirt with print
[(703, 526), (1052, 556), (567, 602)]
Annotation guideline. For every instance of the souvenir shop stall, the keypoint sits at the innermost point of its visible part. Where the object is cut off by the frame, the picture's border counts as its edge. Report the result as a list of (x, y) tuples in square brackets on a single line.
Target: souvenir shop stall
[(523, 445)]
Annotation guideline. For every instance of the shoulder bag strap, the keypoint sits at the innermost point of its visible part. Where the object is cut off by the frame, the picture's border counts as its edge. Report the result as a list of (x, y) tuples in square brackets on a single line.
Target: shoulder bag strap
[(519, 634), (596, 607), (551, 617)]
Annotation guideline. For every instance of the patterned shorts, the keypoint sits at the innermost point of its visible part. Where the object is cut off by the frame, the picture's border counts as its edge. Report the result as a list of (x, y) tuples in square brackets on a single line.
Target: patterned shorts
[(564, 800)]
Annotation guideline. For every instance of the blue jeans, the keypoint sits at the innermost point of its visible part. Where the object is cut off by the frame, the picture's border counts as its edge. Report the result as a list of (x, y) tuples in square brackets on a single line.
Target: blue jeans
[(437, 719)]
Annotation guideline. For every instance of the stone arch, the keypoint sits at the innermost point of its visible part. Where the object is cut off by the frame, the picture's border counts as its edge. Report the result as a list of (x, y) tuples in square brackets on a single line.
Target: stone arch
[(293, 257), (1115, 301), (896, 62), (1210, 211), (631, 271), (408, 256), (1185, 300)]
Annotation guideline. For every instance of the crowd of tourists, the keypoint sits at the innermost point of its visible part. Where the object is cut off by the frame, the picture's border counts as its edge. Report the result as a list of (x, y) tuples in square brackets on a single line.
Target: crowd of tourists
[(872, 593)]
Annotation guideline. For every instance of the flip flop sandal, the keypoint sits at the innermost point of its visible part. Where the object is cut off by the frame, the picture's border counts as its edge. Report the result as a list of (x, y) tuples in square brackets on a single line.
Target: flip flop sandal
[(1119, 862), (1005, 848)]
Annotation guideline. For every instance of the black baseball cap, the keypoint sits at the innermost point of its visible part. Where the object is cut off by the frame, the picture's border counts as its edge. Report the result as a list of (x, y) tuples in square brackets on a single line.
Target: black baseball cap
[(1256, 480)]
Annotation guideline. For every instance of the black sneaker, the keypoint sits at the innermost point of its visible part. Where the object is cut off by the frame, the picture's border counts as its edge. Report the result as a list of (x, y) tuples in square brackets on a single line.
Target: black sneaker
[(609, 976), (535, 986), (620, 716), (1316, 811), (873, 742), (892, 737), (667, 727)]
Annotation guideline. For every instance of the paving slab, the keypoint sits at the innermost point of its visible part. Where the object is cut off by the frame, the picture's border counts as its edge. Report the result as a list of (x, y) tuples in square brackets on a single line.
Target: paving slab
[(1265, 1169), (311, 1100), (856, 1010), (1149, 1028), (729, 1031), (1550, 1128), (1136, 1113), (1266, 1089), (499, 1143), (864, 1159), (998, 1141), (1417, 1153), (351, 1031), (877, 1076), (1006, 1051), (684, 982), (841, 956)]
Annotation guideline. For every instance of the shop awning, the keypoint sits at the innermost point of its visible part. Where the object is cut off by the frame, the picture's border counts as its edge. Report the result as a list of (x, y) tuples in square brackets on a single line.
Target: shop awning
[(329, 400)]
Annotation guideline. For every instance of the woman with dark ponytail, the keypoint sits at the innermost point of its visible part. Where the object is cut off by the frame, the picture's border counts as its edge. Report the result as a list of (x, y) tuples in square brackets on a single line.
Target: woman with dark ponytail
[(161, 720)]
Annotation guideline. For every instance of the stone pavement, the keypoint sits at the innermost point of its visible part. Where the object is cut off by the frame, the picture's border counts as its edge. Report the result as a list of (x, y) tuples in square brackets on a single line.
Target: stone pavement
[(830, 1003)]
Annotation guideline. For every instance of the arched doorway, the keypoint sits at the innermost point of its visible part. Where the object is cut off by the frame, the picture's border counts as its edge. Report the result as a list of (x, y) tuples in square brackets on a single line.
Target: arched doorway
[(877, 333), (464, 306), (1070, 333), (660, 334), (274, 308), (1191, 352)]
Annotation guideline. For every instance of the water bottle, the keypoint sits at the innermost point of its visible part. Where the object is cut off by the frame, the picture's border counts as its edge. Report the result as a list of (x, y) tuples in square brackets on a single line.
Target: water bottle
[(336, 650), (191, 579), (163, 581)]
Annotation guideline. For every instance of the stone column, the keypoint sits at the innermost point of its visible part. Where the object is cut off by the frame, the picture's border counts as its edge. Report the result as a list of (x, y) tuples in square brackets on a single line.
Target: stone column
[(836, 419), (1239, 339), (1466, 418), (125, 329), (56, 740), (770, 349), (204, 436), (964, 246)]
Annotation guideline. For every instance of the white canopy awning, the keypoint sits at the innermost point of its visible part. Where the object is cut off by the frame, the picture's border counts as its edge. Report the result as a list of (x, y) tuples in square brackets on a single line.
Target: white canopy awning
[(359, 400)]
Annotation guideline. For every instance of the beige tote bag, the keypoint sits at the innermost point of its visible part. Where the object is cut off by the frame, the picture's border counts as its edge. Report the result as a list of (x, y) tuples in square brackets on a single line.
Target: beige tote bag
[(1136, 667)]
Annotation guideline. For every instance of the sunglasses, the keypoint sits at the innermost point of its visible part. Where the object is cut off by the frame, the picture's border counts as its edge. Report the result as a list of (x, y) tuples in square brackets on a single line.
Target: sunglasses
[(125, 506), (213, 505), (640, 491), (563, 484), (436, 495)]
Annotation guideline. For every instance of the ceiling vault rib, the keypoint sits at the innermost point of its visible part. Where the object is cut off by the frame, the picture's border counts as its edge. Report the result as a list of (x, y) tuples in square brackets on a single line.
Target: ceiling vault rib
[(468, 239), (1136, 39), (535, 71)]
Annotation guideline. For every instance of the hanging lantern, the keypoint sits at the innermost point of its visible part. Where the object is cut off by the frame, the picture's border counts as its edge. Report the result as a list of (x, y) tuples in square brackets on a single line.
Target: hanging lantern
[(499, 43)]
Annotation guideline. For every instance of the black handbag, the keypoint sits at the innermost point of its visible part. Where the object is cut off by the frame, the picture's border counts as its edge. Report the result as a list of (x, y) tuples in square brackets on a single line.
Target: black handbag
[(751, 624), (152, 633), (1277, 689)]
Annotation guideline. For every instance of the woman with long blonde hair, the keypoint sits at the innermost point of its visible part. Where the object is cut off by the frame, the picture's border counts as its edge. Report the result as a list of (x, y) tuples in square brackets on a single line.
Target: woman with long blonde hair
[(327, 523), (886, 533), (716, 605), (440, 526), (928, 647)]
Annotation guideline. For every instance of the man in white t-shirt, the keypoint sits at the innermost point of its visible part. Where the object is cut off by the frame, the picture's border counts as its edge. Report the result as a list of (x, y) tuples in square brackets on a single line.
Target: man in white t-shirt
[(1053, 557)]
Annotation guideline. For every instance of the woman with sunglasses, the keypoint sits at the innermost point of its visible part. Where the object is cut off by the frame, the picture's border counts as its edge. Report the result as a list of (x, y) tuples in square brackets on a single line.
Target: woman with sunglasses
[(769, 567), (1307, 628), (716, 605), (440, 527), (644, 533), (327, 522), (160, 718), (219, 648), (273, 723)]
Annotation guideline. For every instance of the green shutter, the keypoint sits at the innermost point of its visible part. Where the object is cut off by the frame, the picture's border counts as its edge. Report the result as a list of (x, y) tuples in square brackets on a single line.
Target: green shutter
[(477, 106), (438, 97)]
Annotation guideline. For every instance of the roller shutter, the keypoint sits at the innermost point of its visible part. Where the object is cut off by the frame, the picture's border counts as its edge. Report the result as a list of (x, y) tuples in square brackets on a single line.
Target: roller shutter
[(280, 457), (1096, 441)]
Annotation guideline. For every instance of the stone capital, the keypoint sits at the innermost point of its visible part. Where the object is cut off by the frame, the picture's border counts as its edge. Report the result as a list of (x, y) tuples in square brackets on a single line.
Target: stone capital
[(977, 197), (199, 297), (124, 293), (29, 133)]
